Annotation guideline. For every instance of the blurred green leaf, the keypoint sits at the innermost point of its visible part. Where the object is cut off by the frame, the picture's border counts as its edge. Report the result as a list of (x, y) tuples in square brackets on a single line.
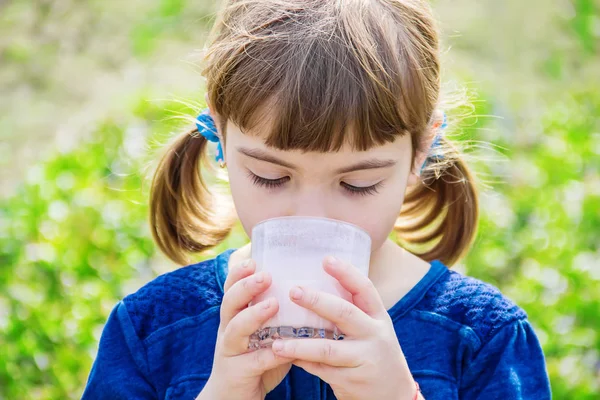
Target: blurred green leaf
[(74, 237)]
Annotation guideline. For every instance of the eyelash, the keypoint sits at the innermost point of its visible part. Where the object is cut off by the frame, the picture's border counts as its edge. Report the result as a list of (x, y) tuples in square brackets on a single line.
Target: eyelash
[(268, 183), (362, 191), (351, 190)]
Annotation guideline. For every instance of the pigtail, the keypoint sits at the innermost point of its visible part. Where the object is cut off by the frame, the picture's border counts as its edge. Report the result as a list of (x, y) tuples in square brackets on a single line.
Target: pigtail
[(182, 216), (439, 216)]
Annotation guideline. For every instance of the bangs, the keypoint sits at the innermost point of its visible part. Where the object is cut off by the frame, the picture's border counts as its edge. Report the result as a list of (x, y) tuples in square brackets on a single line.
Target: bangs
[(318, 83)]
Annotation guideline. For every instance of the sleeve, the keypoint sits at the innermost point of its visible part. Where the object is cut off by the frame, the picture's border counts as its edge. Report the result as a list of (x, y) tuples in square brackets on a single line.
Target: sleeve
[(120, 370), (510, 366)]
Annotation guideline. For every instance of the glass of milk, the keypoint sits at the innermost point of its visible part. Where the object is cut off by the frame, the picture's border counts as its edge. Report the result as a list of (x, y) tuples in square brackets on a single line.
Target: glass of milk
[(292, 250)]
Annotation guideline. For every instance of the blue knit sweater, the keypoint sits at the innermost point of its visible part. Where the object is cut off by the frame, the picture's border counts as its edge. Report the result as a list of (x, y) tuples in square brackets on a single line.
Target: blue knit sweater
[(461, 337)]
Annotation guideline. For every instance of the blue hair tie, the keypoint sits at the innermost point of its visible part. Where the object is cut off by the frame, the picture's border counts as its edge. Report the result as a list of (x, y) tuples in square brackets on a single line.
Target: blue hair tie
[(437, 142), (444, 122), (206, 127)]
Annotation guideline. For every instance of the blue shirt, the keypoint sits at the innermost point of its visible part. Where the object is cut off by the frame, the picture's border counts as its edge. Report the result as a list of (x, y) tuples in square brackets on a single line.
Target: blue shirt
[(461, 337)]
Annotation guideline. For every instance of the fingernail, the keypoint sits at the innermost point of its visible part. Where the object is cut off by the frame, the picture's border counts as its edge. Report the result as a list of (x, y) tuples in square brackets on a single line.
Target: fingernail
[(259, 278), (278, 345), (331, 260), (296, 293), (246, 263), (266, 304)]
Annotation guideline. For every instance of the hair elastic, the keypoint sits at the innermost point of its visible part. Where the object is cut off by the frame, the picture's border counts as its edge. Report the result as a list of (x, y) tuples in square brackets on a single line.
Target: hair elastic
[(437, 142), (206, 127)]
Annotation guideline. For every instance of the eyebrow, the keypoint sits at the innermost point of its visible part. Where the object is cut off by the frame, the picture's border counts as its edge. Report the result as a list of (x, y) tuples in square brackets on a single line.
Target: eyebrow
[(367, 164), (261, 155)]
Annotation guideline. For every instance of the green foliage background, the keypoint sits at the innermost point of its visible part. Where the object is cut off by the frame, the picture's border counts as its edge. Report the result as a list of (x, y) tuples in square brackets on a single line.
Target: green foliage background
[(81, 115)]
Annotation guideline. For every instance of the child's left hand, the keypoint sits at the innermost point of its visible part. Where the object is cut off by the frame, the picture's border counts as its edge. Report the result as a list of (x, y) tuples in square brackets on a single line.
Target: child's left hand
[(368, 363)]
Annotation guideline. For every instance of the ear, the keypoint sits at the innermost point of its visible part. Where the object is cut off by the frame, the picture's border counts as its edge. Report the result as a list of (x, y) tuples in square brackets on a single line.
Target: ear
[(213, 114), (217, 118), (420, 157), (423, 149)]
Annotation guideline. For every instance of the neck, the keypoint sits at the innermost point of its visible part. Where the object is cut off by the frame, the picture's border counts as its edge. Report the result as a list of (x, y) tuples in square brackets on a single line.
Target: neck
[(389, 252), (395, 271)]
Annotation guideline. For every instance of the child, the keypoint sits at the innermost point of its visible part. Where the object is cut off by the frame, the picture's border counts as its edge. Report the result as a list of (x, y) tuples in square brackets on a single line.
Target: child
[(324, 108)]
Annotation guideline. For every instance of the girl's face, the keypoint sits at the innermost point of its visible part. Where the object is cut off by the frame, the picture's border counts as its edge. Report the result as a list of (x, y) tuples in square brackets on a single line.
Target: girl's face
[(364, 188)]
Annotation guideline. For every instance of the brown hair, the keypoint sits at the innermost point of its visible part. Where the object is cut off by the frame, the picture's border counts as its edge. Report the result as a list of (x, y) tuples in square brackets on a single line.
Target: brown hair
[(345, 71)]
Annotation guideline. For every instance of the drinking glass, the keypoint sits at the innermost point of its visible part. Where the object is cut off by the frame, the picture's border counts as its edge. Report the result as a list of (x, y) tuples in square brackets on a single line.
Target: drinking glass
[(292, 250)]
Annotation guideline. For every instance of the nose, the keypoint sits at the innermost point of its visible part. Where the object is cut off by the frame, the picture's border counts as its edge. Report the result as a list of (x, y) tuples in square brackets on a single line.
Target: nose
[(310, 202)]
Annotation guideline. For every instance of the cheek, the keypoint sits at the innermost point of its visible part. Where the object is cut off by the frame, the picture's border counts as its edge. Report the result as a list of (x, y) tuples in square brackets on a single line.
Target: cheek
[(252, 204), (379, 217)]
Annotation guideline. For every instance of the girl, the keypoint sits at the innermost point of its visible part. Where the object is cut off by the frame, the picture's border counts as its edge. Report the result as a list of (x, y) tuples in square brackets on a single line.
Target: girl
[(323, 108)]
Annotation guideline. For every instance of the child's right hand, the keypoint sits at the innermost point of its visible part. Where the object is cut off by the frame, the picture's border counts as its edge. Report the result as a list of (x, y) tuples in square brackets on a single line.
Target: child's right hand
[(237, 372)]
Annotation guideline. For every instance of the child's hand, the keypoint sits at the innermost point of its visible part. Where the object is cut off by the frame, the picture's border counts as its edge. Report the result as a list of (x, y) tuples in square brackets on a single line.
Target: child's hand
[(368, 363), (237, 372)]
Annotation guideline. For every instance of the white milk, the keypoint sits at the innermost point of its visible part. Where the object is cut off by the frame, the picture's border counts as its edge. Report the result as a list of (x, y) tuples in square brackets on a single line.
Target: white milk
[(292, 250)]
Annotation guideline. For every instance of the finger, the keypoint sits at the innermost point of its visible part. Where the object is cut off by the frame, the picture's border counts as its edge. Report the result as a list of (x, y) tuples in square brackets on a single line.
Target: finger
[(237, 333), (241, 293), (260, 361), (364, 294), (350, 319), (238, 272), (325, 372), (331, 352)]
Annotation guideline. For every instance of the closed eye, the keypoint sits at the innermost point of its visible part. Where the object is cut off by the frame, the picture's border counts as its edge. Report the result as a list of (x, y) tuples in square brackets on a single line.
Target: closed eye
[(268, 183), (279, 182), (361, 191)]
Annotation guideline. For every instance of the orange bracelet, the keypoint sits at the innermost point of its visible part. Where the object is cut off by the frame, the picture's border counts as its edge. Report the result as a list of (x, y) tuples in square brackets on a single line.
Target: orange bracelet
[(418, 391)]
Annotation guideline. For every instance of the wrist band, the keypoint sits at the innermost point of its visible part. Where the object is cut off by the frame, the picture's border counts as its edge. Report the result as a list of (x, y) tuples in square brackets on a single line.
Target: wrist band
[(417, 392)]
